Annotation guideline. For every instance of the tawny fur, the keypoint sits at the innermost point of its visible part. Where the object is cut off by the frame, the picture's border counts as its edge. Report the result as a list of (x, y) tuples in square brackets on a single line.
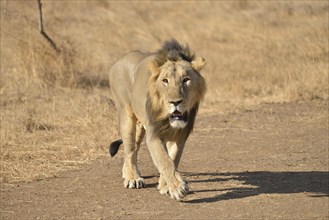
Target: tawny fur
[(144, 87)]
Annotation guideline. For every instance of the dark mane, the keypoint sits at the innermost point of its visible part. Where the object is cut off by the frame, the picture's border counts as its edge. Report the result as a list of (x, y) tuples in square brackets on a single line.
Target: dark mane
[(173, 51)]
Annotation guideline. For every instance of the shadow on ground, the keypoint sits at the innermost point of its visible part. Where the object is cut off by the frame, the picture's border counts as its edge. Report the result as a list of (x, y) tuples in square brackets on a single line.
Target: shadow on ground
[(256, 183)]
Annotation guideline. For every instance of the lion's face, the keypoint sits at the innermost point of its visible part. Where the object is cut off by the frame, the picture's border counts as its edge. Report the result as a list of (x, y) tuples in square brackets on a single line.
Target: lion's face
[(179, 88)]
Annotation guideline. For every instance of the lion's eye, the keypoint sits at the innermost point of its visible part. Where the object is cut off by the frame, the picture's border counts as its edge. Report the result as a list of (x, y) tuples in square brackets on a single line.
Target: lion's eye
[(165, 81), (186, 80)]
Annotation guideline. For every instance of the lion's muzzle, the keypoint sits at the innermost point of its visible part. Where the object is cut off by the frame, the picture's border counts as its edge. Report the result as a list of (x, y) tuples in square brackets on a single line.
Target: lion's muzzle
[(178, 119), (177, 115)]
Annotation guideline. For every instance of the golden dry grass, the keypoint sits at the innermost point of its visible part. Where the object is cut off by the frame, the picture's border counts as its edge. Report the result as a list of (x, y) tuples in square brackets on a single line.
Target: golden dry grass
[(54, 111)]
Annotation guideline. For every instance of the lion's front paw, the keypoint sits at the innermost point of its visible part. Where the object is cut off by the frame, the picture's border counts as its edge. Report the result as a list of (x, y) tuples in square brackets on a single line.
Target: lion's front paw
[(163, 189), (134, 183), (177, 192)]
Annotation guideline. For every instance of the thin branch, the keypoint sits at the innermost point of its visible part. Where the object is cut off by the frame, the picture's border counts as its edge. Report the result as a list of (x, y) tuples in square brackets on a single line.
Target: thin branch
[(41, 30)]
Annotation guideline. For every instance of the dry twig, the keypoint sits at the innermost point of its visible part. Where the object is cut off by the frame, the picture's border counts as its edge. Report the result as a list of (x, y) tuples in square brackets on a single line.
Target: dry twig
[(42, 32)]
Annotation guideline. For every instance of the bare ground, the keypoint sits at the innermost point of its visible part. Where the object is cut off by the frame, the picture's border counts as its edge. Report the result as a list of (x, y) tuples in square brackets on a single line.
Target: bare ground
[(269, 163)]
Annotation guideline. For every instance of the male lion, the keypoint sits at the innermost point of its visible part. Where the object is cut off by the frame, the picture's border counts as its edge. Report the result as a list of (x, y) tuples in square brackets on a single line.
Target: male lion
[(157, 93)]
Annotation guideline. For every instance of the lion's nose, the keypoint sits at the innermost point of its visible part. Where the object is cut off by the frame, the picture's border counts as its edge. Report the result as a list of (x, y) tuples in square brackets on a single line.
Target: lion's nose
[(176, 103)]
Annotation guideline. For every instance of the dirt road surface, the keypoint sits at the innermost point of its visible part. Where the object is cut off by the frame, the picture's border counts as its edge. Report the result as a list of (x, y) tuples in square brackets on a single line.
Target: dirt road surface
[(269, 163)]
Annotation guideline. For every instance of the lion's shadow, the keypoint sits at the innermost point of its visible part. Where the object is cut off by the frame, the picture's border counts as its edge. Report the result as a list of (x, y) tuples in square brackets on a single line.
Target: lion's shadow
[(315, 183)]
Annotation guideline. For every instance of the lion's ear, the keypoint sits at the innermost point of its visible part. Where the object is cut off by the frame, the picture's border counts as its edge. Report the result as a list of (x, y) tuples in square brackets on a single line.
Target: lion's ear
[(154, 68), (198, 63)]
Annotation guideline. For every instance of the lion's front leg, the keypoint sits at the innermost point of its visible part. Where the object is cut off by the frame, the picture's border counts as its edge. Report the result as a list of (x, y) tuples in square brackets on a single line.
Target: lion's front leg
[(164, 187), (175, 150), (131, 136), (170, 180)]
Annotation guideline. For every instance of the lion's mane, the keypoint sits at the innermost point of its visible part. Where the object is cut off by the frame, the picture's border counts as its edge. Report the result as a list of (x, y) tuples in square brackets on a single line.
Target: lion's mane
[(170, 51)]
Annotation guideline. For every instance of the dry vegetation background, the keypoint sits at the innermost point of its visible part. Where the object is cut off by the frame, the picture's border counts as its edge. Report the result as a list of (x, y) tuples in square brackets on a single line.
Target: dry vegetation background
[(55, 112)]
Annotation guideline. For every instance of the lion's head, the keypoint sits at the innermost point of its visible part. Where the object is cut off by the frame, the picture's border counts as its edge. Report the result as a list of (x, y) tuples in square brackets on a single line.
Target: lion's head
[(176, 86)]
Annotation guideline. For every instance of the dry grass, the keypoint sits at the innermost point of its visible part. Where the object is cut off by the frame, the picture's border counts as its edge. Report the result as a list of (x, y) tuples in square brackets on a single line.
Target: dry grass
[(50, 133), (54, 111)]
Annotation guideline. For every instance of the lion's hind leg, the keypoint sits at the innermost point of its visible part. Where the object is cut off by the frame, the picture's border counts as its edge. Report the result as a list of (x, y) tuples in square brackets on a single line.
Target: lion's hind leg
[(140, 133)]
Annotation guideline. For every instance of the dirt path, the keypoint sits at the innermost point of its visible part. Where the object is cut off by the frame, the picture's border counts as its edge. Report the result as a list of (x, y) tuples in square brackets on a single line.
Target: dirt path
[(270, 163)]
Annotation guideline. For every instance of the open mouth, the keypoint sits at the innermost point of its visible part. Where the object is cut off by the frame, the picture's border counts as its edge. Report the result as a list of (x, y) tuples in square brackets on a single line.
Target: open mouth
[(177, 115)]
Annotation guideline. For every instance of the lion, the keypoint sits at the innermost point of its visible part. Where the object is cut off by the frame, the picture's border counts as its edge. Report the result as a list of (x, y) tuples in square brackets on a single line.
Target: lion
[(157, 94)]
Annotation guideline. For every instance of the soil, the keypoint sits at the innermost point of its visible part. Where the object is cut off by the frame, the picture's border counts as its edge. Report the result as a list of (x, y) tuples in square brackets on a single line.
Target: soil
[(269, 163)]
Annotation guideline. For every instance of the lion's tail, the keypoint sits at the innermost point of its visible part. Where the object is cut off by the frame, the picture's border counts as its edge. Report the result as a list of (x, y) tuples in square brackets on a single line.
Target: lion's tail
[(114, 147)]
